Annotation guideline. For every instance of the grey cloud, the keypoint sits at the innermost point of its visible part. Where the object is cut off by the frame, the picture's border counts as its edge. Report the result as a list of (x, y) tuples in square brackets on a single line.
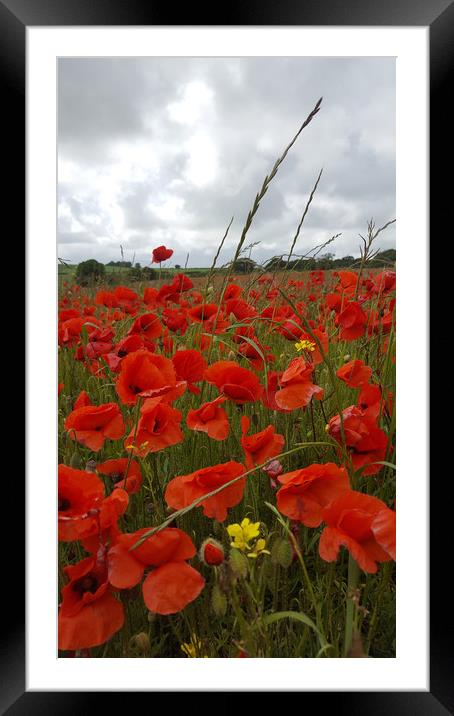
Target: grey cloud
[(127, 155)]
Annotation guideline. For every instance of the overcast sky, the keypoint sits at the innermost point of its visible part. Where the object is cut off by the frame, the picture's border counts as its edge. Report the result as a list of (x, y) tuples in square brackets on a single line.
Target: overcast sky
[(158, 151)]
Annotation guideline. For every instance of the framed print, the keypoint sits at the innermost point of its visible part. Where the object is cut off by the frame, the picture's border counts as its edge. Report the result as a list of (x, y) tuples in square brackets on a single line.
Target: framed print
[(255, 358)]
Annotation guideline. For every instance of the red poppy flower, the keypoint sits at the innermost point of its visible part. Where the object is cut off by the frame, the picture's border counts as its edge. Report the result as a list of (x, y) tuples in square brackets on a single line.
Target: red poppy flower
[(384, 530), (69, 331), (381, 322), (317, 277), (210, 419), (169, 587), (80, 495), (112, 507), (150, 295), (352, 321), (363, 525), (106, 298), (82, 400), (181, 283), (129, 344), (175, 320), (366, 442), (238, 384), (384, 282), (89, 613), (127, 299), (240, 309), (160, 254), (355, 373), (67, 314), (116, 470), (189, 366), (370, 400), (202, 312), (256, 354), (148, 325), (262, 446), (147, 375), (333, 301), (306, 492), (184, 489), (269, 393), (158, 428), (296, 386), (92, 424), (313, 352), (232, 291), (348, 281)]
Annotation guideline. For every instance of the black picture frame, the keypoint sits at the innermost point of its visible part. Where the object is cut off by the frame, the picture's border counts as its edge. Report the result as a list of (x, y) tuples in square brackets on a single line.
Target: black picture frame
[(15, 17)]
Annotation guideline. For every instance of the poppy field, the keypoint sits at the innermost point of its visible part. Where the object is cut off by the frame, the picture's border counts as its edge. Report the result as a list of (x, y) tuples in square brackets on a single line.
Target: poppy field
[(226, 477)]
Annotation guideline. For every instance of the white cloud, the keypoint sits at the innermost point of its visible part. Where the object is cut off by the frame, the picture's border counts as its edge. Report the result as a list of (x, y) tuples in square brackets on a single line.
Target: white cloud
[(201, 168), (197, 101)]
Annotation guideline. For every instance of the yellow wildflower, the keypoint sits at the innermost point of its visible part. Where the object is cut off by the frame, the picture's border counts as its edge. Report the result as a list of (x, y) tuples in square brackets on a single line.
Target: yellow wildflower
[(244, 538), (305, 346), (193, 649), (259, 548), (242, 534)]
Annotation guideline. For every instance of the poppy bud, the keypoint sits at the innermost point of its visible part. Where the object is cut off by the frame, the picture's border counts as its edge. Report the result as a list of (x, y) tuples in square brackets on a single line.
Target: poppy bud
[(75, 461), (238, 563), (347, 358), (140, 642), (282, 553), (273, 468), (231, 355), (218, 601), (212, 552)]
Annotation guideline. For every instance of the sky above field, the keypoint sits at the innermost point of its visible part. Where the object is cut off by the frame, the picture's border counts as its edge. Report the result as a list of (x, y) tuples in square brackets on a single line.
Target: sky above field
[(156, 151)]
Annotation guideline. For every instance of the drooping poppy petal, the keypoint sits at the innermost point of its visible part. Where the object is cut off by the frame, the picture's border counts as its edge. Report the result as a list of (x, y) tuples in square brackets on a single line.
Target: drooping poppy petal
[(304, 493), (349, 522), (185, 489), (238, 384), (210, 418), (355, 373), (92, 424), (384, 530), (92, 626), (171, 587), (124, 570), (80, 495)]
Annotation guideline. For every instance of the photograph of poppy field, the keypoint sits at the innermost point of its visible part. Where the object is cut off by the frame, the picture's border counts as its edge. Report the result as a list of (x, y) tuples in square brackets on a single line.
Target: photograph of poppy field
[(226, 466)]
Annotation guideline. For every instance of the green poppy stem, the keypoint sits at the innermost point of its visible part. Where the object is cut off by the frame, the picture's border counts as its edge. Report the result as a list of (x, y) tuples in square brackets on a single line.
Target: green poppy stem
[(353, 578)]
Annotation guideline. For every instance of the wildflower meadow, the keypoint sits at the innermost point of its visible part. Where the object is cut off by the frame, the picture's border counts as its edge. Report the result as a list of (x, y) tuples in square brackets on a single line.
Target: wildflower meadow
[(226, 477)]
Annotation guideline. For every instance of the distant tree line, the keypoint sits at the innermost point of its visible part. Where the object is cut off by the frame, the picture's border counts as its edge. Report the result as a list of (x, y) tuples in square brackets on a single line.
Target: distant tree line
[(329, 263)]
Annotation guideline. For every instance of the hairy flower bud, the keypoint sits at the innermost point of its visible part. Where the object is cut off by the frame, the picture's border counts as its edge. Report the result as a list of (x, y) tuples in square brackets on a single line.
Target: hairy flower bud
[(75, 461), (238, 563), (218, 601), (211, 552), (281, 552), (140, 642)]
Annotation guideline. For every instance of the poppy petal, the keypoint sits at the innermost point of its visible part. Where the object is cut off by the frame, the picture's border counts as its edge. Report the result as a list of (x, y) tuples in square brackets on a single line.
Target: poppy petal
[(168, 589)]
